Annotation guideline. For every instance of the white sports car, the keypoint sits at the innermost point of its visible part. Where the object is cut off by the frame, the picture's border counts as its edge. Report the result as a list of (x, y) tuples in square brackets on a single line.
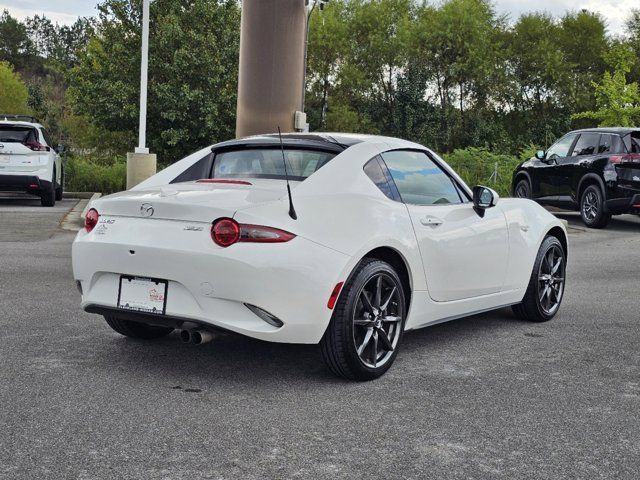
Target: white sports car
[(378, 236)]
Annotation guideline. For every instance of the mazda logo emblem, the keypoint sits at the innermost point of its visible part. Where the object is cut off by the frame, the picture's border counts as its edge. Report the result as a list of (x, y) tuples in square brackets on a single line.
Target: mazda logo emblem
[(146, 210)]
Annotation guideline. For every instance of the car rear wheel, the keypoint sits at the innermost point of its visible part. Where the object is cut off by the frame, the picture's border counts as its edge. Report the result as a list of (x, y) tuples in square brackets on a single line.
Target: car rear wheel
[(546, 286), (366, 328), (60, 188), (137, 329), (523, 189), (592, 208), (48, 196)]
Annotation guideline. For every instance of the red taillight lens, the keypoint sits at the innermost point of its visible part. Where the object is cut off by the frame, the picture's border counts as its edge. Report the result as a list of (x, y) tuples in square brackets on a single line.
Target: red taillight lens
[(261, 234), (629, 158), (226, 232), (91, 220), (36, 146), (334, 296)]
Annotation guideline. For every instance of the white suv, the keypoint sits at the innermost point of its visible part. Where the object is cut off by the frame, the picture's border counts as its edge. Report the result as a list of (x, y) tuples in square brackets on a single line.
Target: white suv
[(28, 160)]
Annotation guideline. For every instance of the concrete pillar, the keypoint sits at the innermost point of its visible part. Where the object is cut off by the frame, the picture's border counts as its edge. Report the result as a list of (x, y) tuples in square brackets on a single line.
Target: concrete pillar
[(271, 65), (140, 166)]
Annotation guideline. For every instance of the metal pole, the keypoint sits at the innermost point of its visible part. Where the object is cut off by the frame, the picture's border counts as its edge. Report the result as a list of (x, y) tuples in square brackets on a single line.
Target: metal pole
[(142, 138), (306, 52)]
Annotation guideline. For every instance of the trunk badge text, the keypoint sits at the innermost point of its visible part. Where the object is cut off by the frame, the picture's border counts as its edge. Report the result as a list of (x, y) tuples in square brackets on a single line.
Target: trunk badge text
[(191, 228), (146, 210)]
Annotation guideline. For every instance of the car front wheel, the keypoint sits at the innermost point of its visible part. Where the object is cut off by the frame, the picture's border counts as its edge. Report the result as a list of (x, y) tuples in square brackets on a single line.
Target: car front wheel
[(366, 328), (522, 190), (137, 329), (546, 285)]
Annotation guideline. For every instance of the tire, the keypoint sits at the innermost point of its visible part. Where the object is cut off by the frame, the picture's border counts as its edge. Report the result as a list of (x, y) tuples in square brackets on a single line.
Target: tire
[(592, 208), (60, 187), (137, 329), (523, 189), (372, 328), (48, 195), (534, 306)]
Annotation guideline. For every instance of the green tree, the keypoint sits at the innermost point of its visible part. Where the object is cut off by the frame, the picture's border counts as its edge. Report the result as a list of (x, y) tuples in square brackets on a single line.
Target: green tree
[(618, 102), (193, 64), (13, 91), (15, 46)]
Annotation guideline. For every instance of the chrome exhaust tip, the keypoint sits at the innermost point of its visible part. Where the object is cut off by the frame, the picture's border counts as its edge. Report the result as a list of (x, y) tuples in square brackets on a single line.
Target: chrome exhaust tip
[(199, 337), (185, 336)]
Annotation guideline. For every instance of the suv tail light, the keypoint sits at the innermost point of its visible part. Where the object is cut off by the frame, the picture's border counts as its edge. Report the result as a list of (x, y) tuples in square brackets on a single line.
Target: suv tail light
[(36, 146), (91, 220), (627, 158), (226, 231)]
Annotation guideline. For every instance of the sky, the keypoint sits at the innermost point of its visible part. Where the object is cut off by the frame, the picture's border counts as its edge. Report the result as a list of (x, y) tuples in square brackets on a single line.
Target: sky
[(614, 11)]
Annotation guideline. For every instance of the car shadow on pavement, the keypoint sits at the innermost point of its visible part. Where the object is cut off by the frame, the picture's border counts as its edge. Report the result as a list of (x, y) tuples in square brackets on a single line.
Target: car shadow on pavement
[(232, 358), (618, 223)]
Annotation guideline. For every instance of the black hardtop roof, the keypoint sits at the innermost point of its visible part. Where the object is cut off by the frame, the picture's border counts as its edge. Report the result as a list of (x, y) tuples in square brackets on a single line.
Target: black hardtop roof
[(617, 130), (323, 141)]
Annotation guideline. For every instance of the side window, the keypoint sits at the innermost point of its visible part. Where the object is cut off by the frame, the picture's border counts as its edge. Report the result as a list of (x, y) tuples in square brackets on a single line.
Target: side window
[(632, 142), (419, 180), (605, 144), (561, 147), (200, 169), (374, 171), (586, 144), (616, 144)]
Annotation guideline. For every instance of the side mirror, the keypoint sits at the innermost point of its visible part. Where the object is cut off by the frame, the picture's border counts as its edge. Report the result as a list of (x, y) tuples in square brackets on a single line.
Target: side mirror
[(540, 155), (59, 149), (484, 198)]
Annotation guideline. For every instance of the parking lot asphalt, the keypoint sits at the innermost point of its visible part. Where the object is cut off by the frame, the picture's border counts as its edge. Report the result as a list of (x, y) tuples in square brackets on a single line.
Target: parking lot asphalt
[(485, 397)]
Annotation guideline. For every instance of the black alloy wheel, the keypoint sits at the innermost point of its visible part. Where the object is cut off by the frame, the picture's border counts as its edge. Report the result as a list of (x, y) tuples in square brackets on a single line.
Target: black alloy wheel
[(365, 332), (592, 208), (522, 190), (546, 287)]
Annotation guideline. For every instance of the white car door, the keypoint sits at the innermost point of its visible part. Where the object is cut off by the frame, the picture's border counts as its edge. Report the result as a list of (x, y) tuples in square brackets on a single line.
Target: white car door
[(464, 255)]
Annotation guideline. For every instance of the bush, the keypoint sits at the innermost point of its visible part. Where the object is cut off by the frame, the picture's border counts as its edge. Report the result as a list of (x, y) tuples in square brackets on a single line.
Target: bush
[(478, 166), (82, 175)]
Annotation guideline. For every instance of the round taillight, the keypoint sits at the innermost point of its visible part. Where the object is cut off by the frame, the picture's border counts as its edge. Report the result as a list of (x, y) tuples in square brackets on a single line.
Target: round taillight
[(225, 231), (91, 220)]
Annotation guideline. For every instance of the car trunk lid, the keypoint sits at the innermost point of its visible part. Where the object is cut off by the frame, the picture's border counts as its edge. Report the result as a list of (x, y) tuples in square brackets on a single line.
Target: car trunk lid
[(201, 201)]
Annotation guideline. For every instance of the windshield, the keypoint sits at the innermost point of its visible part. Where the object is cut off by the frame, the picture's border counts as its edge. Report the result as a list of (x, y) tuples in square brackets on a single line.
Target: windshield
[(267, 163), (18, 134)]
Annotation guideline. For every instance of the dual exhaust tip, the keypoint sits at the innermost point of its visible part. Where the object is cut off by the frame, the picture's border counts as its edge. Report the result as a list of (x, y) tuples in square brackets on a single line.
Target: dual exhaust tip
[(196, 337)]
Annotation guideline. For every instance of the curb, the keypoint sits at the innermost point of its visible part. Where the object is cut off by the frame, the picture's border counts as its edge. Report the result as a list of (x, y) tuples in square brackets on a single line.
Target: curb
[(77, 194)]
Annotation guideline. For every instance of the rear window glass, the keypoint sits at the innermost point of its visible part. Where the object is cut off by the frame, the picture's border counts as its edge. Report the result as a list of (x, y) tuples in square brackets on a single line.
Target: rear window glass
[(197, 171), (267, 163), (18, 134)]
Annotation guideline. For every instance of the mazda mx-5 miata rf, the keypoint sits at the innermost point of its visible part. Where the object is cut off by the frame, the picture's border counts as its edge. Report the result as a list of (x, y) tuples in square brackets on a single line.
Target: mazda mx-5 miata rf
[(374, 237)]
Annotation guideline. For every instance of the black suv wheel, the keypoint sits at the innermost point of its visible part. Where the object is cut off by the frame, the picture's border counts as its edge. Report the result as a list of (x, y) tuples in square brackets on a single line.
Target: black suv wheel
[(523, 189), (592, 208)]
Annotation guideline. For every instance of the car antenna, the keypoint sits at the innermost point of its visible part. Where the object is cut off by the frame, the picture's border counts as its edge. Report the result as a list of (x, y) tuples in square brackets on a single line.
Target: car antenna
[(292, 211)]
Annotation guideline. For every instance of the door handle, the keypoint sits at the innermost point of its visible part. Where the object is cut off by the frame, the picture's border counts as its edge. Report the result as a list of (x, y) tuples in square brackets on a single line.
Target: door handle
[(431, 221)]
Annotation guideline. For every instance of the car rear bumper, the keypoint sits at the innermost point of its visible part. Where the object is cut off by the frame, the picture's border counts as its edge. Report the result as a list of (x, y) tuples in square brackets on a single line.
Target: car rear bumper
[(630, 204), (209, 285), (23, 183)]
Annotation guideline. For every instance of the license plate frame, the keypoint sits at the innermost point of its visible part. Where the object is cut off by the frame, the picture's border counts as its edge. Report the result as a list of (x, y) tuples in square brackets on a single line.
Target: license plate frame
[(145, 303)]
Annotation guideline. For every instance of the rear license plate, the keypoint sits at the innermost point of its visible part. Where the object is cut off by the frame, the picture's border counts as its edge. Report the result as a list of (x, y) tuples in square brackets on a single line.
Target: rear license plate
[(146, 295)]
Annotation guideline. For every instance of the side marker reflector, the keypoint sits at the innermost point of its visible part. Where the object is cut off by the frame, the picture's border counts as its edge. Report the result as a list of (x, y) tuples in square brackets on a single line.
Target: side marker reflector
[(334, 296)]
